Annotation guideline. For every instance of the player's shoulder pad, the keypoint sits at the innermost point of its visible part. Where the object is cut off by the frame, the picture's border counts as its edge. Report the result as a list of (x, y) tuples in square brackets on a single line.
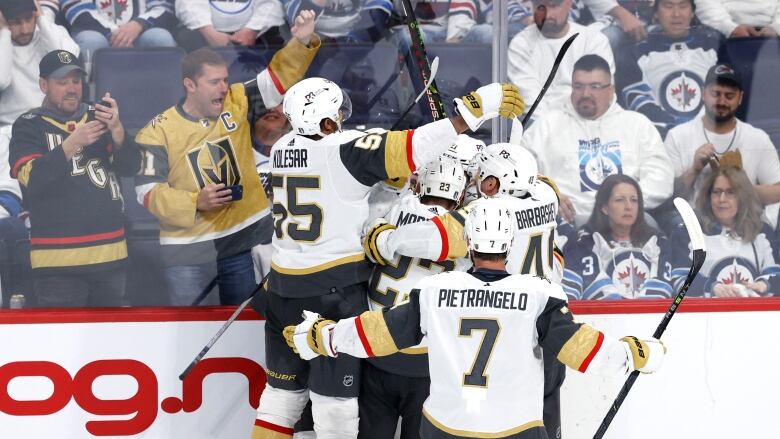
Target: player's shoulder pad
[(549, 182)]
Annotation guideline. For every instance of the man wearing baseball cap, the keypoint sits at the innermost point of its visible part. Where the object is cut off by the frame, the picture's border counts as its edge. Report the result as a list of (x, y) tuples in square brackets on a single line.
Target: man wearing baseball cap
[(697, 145), (66, 156)]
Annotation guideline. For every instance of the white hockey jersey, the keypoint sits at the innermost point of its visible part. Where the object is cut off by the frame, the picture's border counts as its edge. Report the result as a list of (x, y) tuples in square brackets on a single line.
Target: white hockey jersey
[(320, 193), (533, 248), (484, 332), (391, 284)]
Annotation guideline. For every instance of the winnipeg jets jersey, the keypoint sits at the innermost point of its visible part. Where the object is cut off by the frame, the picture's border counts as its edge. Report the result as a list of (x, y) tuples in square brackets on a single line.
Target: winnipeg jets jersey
[(484, 333), (320, 193), (391, 284), (663, 77), (600, 268), (729, 261)]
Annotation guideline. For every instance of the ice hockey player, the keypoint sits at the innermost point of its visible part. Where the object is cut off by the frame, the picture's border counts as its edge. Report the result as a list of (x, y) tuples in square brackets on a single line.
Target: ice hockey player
[(397, 385), (483, 330), (509, 172), (321, 177)]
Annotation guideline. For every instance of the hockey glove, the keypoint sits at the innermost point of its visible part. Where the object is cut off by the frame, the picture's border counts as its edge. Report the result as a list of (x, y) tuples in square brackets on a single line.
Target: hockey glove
[(375, 239), (311, 338), (645, 356), (490, 101)]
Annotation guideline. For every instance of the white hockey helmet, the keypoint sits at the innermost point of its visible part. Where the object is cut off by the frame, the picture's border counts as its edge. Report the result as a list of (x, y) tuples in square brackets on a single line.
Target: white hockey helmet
[(489, 226), (514, 167), (443, 178), (310, 101), (464, 149)]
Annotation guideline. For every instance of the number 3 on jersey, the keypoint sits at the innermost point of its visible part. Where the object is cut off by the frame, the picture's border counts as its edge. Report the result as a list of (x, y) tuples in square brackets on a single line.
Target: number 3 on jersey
[(287, 218)]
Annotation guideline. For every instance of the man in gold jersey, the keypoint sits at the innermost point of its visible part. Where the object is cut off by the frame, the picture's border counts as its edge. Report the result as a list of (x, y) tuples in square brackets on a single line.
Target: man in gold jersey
[(199, 177)]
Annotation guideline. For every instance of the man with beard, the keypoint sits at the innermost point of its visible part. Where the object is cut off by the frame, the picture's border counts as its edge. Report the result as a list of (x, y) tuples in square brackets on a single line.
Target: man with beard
[(532, 53), (66, 156), (591, 138), (695, 146), (25, 38)]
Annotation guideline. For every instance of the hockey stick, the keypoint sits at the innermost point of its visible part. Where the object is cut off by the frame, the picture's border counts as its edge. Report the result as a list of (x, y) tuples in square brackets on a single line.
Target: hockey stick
[(205, 292), (699, 254), (426, 87), (421, 56), (550, 78), (219, 333)]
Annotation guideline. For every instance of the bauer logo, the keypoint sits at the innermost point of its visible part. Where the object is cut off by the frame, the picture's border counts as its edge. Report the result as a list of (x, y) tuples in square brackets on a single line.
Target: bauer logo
[(126, 416)]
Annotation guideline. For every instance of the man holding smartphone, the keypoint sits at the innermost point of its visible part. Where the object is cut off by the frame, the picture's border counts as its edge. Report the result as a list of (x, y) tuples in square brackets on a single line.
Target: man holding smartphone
[(66, 165), (199, 177)]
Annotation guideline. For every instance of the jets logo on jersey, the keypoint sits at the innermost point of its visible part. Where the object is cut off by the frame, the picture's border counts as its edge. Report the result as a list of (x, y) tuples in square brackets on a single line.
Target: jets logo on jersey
[(214, 162), (598, 161), (681, 93), (732, 271), (630, 272)]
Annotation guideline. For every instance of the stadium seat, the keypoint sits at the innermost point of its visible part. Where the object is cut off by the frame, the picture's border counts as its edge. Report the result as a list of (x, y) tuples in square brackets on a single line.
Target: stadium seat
[(455, 77), (143, 81), (758, 61), (244, 63), (369, 74)]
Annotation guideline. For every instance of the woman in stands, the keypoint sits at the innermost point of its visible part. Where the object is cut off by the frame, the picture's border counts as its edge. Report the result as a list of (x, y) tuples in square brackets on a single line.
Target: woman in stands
[(617, 254), (740, 259)]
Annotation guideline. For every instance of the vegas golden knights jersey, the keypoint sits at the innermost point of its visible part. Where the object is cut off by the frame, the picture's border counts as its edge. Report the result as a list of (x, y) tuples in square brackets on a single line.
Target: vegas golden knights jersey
[(533, 249), (321, 190), (75, 205), (484, 331), (391, 283), (184, 154)]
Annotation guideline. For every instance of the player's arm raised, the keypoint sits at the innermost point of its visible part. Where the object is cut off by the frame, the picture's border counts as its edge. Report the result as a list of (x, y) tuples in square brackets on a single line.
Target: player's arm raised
[(396, 154), (371, 334)]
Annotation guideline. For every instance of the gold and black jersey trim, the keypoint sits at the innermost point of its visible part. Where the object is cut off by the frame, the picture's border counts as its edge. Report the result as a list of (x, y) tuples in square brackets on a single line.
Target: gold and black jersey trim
[(451, 233), (433, 429), (549, 181), (318, 280)]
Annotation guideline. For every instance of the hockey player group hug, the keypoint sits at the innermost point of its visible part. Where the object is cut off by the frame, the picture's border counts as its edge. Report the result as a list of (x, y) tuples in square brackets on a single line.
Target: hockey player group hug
[(449, 283)]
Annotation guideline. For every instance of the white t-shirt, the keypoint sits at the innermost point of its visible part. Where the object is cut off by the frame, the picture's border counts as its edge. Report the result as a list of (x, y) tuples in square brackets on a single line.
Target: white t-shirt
[(759, 156)]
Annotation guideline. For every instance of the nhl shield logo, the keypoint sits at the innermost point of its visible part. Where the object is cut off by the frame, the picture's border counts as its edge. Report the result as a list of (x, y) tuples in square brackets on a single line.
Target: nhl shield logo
[(681, 93), (348, 380), (65, 57)]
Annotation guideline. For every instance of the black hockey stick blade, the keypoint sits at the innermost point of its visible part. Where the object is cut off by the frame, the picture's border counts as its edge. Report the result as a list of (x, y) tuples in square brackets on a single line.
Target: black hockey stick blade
[(550, 78), (699, 255)]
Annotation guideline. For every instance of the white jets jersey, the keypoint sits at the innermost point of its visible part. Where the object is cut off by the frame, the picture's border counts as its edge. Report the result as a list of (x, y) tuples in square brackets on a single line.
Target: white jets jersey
[(320, 193), (729, 261), (485, 333)]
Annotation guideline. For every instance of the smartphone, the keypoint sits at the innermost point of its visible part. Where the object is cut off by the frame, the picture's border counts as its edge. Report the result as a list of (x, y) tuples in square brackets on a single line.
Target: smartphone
[(91, 109), (236, 192)]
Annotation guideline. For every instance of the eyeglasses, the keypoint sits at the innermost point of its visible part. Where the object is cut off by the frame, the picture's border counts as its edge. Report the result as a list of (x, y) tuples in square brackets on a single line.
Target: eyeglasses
[(595, 86), (729, 193)]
